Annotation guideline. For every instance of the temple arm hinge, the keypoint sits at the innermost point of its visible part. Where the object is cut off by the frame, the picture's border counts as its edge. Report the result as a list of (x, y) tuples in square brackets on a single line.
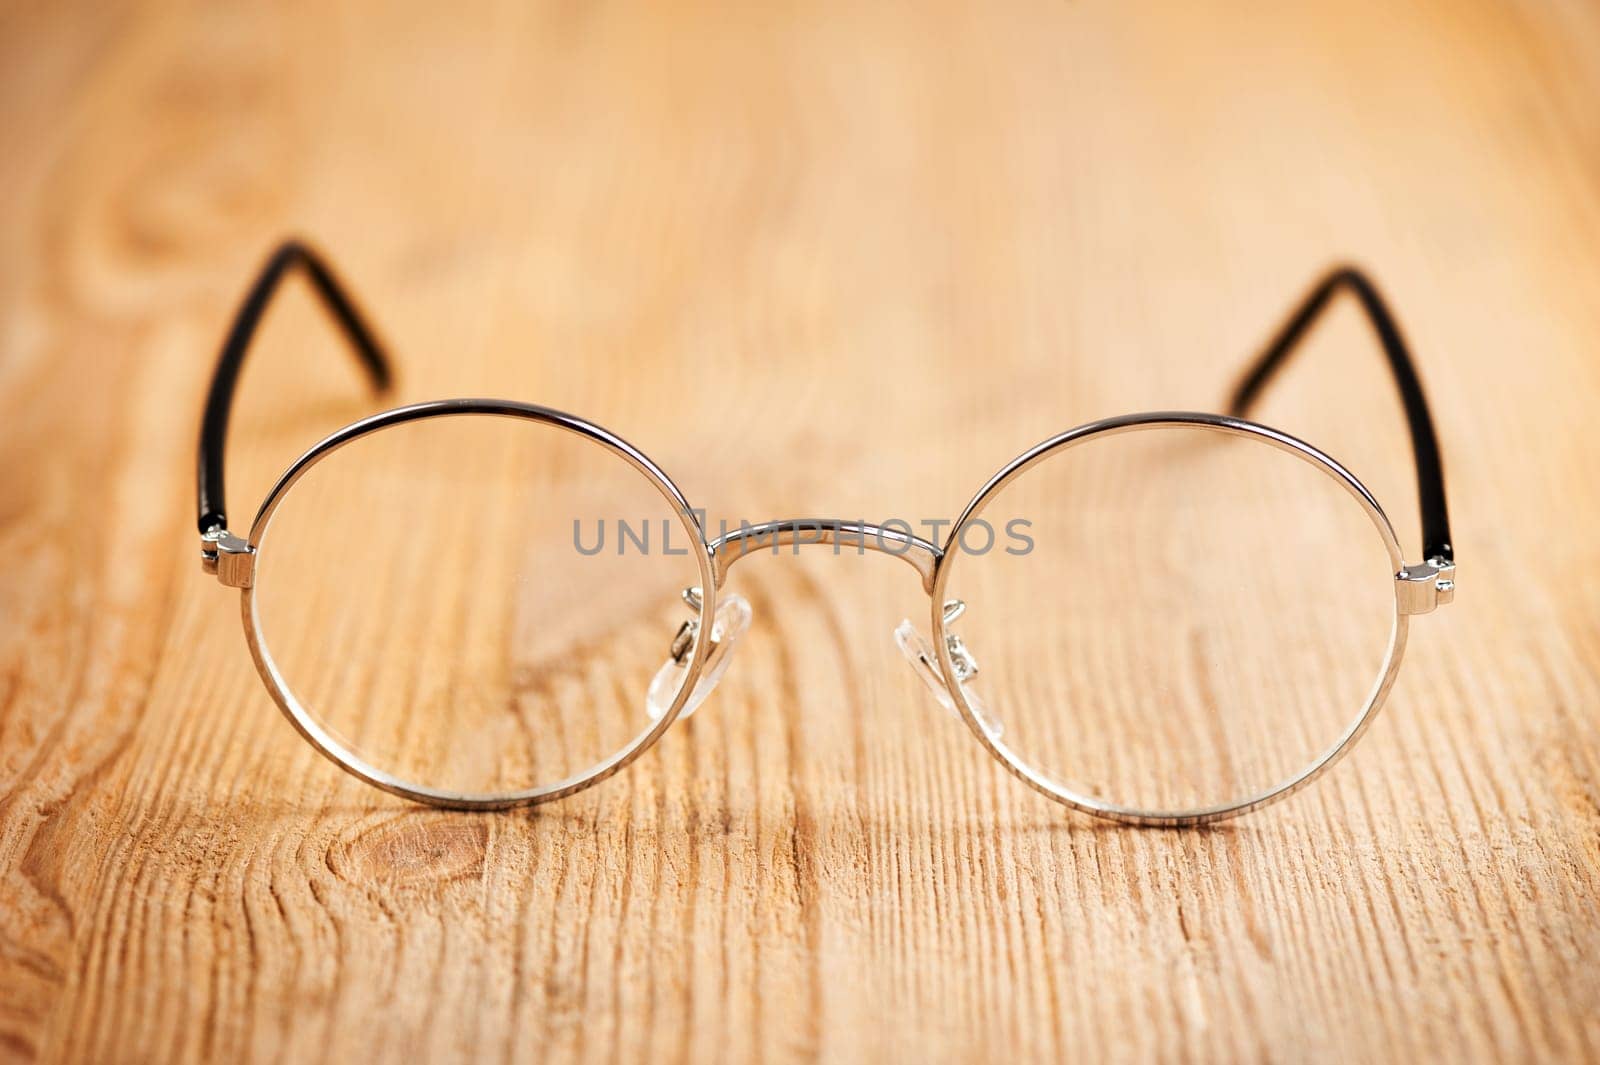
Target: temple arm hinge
[(230, 557), (1426, 585)]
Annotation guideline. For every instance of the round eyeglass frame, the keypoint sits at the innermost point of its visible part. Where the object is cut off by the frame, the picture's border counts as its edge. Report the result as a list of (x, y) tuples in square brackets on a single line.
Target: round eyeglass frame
[(1107, 427), (338, 751)]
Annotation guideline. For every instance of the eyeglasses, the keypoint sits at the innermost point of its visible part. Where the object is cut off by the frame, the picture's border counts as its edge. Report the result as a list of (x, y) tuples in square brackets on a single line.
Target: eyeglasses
[(414, 607)]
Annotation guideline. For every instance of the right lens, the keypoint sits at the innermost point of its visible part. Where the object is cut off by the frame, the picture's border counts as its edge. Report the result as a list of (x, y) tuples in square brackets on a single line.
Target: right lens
[(474, 604), (1181, 617)]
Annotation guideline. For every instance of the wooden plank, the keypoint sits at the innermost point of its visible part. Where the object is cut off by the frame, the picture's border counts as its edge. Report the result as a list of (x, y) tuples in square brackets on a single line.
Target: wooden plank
[(826, 261)]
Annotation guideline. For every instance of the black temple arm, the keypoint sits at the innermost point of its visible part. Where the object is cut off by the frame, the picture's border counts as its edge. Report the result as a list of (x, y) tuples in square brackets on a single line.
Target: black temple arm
[(225, 379), (1424, 443)]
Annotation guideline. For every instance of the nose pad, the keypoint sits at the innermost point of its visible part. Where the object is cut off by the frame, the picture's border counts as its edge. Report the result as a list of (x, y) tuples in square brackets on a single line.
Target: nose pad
[(919, 652), (727, 625)]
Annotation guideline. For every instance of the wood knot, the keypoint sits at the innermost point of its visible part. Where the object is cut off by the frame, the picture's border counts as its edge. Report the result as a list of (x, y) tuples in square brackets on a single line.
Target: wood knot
[(414, 849)]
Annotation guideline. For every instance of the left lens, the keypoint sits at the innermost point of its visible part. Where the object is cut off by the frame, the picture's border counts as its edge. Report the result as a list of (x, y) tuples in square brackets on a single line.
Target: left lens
[(474, 604)]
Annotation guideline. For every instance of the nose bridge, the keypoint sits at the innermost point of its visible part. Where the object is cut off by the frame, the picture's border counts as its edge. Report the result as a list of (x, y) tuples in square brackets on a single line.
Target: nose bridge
[(859, 536)]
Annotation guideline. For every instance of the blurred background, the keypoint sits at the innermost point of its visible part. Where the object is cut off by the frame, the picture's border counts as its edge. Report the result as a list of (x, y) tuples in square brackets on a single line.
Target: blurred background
[(887, 218), (814, 260)]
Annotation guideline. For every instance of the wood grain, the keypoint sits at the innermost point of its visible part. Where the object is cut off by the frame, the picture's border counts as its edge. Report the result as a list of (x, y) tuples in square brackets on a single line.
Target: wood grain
[(824, 260)]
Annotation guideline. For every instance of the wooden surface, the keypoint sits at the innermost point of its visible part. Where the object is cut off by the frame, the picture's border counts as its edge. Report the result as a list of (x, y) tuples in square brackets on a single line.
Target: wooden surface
[(841, 261)]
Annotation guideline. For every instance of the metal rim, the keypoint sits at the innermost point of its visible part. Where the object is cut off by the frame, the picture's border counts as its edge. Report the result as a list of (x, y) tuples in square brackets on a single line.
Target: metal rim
[(336, 750), (1043, 782)]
